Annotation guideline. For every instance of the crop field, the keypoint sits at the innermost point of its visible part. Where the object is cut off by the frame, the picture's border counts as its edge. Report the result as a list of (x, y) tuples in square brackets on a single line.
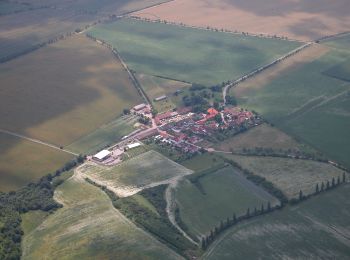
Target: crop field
[(340, 71), (156, 87), (104, 135), (315, 229), (264, 136), (290, 175), (80, 84), (307, 104), (168, 50), (143, 171), (341, 42), (303, 20), (86, 226), (222, 193), (203, 162), (22, 162), (7, 7)]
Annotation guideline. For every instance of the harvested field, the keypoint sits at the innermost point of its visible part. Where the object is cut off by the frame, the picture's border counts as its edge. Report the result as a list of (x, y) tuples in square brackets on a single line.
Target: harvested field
[(80, 84), (262, 136), (22, 161), (156, 87), (315, 229), (105, 135), (168, 50), (289, 175), (216, 196), (303, 20), (307, 104), (147, 170), (89, 227)]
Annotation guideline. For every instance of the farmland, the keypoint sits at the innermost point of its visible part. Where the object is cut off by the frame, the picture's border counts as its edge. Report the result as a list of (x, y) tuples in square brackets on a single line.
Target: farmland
[(104, 135), (86, 226), (168, 50), (263, 136), (307, 104), (301, 20), (221, 193), (289, 175), (22, 162), (22, 32), (156, 87), (315, 229), (146, 170), (80, 84)]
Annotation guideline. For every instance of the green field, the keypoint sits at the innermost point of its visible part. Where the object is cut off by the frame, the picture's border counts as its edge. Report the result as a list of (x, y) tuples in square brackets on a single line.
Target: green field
[(216, 196), (189, 54), (340, 71), (315, 229), (289, 175), (156, 87), (341, 42), (105, 135), (308, 104), (7, 7), (145, 170), (22, 161), (203, 162), (32, 219), (89, 227), (262, 136)]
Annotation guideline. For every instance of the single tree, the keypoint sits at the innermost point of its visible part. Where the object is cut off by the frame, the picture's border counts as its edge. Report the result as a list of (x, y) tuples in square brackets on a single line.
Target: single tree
[(268, 206), (333, 182), (262, 210), (234, 218), (344, 177), (327, 185), (300, 195), (317, 189), (338, 180), (322, 186), (248, 213)]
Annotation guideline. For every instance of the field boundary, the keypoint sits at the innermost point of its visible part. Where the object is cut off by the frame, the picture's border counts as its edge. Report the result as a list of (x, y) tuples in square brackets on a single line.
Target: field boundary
[(33, 140)]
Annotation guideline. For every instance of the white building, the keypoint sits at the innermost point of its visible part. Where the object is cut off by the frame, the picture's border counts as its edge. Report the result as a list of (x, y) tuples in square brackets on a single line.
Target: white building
[(133, 145), (102, 155), (139, 107)]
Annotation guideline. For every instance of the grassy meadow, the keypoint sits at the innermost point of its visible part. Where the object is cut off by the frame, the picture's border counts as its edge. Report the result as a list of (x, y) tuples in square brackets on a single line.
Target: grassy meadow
[(216, 196), (80, 84), (188, 54), (308, 104), (22, 161), (89, 227), (290, 175), (156, 87), (315, 229), (145, 170)]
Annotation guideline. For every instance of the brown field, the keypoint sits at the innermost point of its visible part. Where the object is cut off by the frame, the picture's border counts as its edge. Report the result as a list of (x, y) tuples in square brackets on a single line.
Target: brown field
[(22, 161), (263, 136), (303, 20), (64, 91)]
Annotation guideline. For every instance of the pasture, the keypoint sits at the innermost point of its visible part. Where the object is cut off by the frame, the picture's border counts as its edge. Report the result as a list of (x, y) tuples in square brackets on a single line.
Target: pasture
[(156, 87), (315, 229), (80, 84), (262, 136), (307, 104), (289, 175), (103, 136), (22, 162), (303, 20), (188, 54), (86, 227), (216, 196), (146, 170)]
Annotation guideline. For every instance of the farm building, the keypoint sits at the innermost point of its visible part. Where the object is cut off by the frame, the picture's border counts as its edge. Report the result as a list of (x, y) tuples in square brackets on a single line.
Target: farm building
[(160, 98), (133, 145), (139, 107), (102, 155)]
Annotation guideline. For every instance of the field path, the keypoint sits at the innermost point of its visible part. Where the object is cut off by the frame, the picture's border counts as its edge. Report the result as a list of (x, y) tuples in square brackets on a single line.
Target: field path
[(37, 141), (170, 207), (261, 69)]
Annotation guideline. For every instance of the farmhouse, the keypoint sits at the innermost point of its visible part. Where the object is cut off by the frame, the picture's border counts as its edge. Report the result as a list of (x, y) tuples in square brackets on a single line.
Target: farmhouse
[(160, 98), (139, 107), (102, 155)]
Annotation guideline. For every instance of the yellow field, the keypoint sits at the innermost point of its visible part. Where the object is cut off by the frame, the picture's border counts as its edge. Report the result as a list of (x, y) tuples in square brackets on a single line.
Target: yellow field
[(62, 92), (22, 161)]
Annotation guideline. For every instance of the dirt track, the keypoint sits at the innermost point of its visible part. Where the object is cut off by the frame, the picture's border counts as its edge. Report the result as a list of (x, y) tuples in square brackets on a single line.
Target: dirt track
[(301, 19)]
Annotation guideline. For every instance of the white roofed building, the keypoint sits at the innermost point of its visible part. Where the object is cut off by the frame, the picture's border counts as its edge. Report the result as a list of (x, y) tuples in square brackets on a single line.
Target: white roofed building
[(102, 155)]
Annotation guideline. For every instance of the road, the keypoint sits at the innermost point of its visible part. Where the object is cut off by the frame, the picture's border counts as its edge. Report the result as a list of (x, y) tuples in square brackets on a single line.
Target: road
[(37, 141), (261, 69)]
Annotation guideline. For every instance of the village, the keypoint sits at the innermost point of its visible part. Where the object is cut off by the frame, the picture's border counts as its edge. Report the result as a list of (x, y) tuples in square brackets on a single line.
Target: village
[(181, 129)]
